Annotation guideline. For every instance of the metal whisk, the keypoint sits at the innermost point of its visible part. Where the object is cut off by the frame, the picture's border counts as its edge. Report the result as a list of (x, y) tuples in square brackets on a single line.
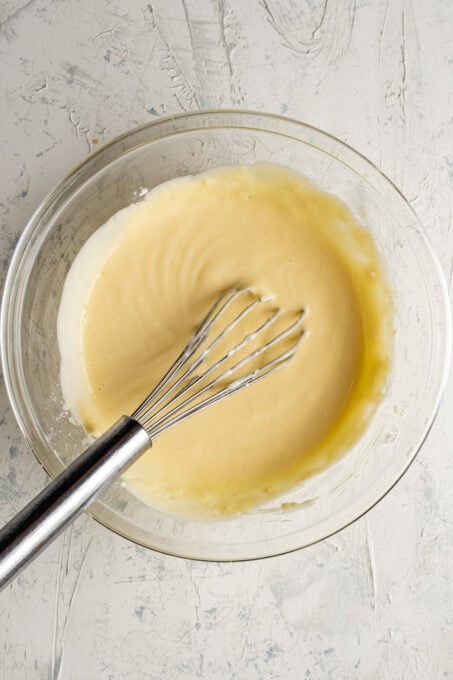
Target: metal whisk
[(194, 382)]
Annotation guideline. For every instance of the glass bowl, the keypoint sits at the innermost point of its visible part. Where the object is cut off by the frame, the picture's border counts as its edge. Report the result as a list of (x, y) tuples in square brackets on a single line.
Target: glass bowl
[(191, 143)]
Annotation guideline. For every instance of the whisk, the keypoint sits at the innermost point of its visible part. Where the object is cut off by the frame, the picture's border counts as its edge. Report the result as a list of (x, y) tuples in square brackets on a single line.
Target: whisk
[(196, 380)]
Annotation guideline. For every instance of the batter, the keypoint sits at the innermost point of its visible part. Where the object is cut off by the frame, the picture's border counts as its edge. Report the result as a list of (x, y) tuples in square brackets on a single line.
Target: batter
[(145, 279)]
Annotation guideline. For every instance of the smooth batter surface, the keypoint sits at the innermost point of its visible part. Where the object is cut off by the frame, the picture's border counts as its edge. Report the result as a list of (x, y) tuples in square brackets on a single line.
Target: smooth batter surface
[(144, 281)]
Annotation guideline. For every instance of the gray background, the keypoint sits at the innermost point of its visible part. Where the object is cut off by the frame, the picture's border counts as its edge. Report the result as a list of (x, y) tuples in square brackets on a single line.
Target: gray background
[(373, 602)]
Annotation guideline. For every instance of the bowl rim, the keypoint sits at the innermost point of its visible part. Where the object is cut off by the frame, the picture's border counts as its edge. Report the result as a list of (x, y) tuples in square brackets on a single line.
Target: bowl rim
[(7, 309)]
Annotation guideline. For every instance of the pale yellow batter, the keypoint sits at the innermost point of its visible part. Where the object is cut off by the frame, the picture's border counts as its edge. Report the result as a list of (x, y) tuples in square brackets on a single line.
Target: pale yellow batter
[(145, 279)]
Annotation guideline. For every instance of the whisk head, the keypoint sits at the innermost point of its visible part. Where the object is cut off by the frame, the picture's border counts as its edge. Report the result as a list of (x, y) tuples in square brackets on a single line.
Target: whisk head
[(205, 371)]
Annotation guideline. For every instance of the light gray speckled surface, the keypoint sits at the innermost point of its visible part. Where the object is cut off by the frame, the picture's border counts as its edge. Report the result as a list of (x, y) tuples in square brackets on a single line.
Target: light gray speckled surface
[(373, 602)]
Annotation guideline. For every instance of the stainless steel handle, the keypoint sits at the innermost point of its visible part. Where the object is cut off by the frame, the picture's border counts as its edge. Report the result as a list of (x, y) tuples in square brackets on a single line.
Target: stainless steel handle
[(34, 527)]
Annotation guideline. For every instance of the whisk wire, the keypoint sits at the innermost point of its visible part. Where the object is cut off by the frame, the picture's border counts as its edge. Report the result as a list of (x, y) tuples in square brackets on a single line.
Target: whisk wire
[(192, 345), (190, 385), (246, 381), (165, 406)]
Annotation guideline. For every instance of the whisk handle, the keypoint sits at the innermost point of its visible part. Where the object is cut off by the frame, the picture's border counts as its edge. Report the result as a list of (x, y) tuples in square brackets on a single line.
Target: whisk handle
[(34, 527)]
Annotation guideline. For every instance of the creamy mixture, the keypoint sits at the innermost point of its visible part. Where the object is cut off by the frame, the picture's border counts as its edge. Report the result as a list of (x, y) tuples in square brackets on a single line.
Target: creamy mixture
[(144, 280)]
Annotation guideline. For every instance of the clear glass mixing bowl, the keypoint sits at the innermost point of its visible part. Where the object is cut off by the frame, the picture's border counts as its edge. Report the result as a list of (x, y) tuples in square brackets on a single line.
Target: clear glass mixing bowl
[(188, 144)]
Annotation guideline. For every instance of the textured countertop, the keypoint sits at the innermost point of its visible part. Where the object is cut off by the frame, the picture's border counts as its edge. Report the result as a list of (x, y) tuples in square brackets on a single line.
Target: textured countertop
[(374, 602)]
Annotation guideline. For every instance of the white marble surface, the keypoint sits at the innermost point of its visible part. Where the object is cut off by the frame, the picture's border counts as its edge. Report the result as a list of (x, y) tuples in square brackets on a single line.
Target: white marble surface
[(373, 602)]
